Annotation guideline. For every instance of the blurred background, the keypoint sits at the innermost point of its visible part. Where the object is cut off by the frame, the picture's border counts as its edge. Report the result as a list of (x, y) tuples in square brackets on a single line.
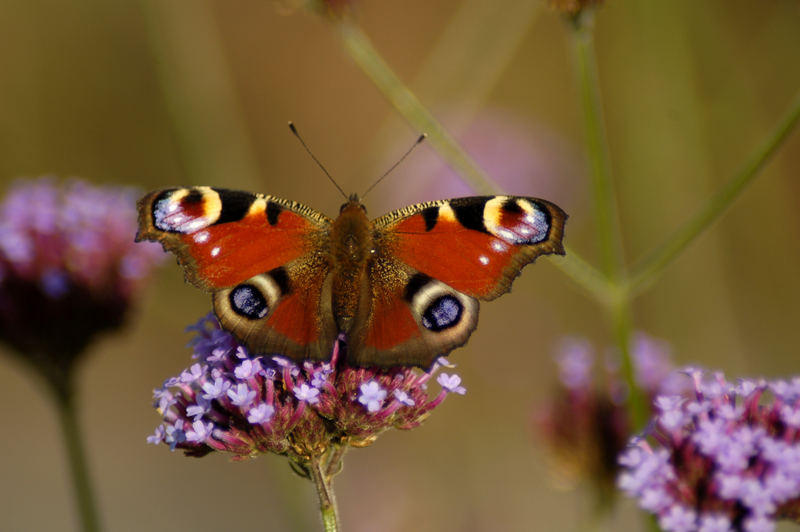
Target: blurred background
[(176, 92)]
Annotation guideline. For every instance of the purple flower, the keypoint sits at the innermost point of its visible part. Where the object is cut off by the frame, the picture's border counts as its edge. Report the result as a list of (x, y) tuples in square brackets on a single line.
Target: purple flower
[(733, 460), (192, 374), (241, 395), (714, 523), (216, 388), (585, 424), (372, 396), (307, 393), (200, 409), (261, 414), (403, 398), (678, 519), (255, 406), (66, 275), (158, 436), (247, 369), (451, 383), (200, 432), (575, 359)]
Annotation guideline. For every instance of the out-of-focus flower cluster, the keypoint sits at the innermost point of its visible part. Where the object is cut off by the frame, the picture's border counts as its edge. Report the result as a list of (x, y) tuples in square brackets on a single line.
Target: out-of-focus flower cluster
[(585, 425), (727, 458), (68, 266), (230, 401)]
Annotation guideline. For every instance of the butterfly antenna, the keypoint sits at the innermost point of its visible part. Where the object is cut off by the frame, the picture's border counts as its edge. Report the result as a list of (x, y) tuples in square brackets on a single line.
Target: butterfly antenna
[(395, 165), (296, 134)]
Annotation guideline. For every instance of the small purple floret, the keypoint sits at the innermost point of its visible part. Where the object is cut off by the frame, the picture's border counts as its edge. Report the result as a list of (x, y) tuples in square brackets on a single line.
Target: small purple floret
[(451, 383), (306, 393), (372, 396)]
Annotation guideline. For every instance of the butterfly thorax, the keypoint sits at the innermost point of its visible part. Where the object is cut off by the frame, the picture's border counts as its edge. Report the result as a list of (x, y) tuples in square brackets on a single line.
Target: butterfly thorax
[(351, 248)]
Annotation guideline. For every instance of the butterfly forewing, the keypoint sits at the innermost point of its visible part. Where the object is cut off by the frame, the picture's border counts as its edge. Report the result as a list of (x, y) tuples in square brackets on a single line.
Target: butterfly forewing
[(263, 258), (477, 245)]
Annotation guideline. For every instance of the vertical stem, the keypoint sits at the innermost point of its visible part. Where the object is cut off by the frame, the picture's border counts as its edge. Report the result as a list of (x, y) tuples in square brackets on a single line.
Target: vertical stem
[(327, 498), (605, 202), (81, 483), (606, 211)]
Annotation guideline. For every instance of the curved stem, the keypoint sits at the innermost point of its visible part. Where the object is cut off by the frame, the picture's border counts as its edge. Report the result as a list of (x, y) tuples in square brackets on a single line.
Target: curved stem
[(81, 482), (651, 267), (327, 498), (360, 49)]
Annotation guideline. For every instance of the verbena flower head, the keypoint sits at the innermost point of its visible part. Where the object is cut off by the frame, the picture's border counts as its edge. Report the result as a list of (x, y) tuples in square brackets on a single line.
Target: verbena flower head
[(68, 266), (726, 457), (232, 402), (585, 425)]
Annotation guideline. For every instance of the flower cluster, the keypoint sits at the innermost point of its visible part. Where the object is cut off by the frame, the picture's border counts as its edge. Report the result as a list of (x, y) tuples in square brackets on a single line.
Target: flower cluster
[(726, 458), (68, 266), (585, 426), (230, 401)]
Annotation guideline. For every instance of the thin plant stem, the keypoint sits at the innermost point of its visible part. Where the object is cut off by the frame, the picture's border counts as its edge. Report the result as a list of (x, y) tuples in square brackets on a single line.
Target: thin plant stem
[(606, 212), (327, 498), (467, 60), (81, 482), (648, 269), (360, 49), (334, 462)]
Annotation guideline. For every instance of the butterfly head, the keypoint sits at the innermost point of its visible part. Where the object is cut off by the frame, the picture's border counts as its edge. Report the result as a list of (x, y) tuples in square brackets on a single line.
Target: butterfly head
[(353, 205)]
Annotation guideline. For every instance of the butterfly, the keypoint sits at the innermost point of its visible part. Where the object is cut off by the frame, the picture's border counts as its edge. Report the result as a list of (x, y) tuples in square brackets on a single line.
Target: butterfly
[(403, 288)]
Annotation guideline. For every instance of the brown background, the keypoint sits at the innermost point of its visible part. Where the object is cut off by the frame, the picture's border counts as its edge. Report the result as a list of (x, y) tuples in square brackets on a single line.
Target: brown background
[(120, 91)]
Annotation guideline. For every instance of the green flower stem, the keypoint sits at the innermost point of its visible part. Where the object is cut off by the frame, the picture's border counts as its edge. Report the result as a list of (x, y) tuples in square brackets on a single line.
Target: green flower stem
[(647, 270), (606, 212), (327, 498), (360, 49), (482, 55), (65, 405)]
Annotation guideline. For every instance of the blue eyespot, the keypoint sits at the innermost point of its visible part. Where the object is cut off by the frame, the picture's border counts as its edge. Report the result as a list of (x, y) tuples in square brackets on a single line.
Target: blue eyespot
[(444, 312), (246, 300)]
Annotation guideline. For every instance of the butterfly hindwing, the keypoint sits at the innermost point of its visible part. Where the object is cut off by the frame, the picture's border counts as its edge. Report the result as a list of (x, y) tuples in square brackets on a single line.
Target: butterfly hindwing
[(260, 258), (412, 320), (433, 260)]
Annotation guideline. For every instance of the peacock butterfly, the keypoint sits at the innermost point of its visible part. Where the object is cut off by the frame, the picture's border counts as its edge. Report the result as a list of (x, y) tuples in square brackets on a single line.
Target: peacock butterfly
[(403, 288)]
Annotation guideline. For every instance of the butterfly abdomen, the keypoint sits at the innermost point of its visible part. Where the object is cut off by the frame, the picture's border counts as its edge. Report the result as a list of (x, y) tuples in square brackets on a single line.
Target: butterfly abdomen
[(351, 248)]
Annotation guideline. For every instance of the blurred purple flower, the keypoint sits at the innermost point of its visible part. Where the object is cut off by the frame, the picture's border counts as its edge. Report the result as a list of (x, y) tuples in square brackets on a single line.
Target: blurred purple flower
[(731, 462), (258, 405), (522, 157), (69, 268), (585, 425)]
